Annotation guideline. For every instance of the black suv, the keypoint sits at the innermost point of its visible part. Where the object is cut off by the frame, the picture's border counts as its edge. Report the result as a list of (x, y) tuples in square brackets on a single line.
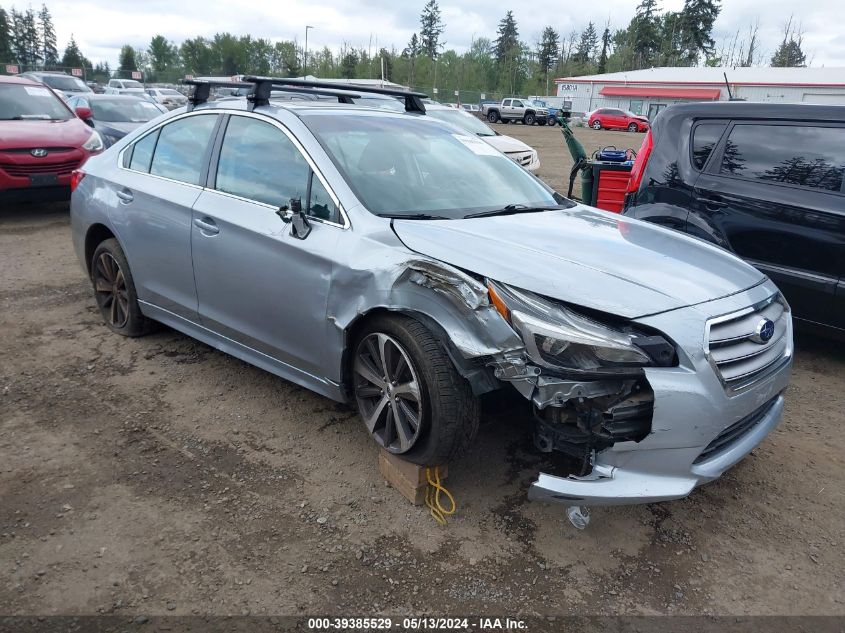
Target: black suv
[(763, 180)]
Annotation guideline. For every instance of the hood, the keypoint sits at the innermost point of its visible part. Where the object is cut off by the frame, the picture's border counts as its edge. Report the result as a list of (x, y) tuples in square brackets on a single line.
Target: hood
[(506, 144), (585, 257), (26, 134)]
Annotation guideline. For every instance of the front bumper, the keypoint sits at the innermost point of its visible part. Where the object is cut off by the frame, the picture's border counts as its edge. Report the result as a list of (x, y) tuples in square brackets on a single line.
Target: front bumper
[(692, 413)]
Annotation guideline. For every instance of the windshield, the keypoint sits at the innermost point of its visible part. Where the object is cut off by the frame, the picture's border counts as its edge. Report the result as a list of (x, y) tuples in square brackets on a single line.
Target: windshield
[(134, 85), (123, 110), (169, 92), (406, 166), (19, 102), (381, 102), (64, 83), (463, 120)]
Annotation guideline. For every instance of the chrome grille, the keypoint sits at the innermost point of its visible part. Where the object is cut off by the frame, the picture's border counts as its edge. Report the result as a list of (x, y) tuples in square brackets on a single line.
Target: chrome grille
[(738, 355), (520, 158)]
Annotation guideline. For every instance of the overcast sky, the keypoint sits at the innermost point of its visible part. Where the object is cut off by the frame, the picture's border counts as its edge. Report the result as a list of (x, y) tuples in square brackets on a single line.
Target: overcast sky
[(102, 27)]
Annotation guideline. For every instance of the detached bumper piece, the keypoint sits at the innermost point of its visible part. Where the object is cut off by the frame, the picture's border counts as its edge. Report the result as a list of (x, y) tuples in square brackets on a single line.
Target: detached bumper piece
[(648, 476)]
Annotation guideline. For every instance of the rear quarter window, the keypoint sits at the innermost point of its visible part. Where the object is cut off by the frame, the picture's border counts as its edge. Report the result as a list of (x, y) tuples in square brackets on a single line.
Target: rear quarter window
[(705, 136)]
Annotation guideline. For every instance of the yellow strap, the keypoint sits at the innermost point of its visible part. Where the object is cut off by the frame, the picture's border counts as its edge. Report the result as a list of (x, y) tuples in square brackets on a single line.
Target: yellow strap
[(432, 496)]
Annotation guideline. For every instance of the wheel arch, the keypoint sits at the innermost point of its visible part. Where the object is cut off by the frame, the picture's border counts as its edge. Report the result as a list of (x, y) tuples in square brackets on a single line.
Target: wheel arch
[(95, 235)]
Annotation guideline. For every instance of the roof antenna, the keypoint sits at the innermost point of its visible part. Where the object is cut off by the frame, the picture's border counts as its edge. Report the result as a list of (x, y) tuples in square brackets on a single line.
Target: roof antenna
[(728, 86)]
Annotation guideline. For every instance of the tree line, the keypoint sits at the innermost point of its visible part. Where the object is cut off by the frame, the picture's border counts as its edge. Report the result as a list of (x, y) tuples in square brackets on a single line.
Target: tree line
[(504, 64)]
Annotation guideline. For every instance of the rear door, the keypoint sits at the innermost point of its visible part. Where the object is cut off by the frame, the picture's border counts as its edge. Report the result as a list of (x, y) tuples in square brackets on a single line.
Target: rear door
[(257, 284), (774, 191), (154, 190)]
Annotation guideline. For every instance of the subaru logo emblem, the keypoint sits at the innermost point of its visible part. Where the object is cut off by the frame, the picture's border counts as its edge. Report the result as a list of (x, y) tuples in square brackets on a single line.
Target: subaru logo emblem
[(764, 331), (39, 153)]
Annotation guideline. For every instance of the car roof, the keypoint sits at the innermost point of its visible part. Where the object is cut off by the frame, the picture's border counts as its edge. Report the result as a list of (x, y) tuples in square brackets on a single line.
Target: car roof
[(91, 95), (28, 81), (755, 110)]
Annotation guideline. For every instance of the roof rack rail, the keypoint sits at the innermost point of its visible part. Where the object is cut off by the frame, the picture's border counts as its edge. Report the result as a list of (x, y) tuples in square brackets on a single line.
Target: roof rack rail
[(413, 100), (261, 89)]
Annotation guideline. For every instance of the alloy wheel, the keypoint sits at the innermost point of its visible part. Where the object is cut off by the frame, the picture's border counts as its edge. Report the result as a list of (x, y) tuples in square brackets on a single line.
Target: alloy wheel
[(387, 391), (112, 293)]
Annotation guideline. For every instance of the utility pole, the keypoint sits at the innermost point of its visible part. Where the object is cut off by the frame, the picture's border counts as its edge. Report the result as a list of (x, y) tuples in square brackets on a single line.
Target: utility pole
[(305, 54)]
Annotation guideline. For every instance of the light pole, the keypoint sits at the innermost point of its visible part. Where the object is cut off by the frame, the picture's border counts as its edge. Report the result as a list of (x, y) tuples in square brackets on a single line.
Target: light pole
[(305, 55)]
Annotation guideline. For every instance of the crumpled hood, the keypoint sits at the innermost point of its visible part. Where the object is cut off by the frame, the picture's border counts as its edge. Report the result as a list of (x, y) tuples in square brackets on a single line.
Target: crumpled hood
[(33, 133), (506, 144), (585, 257)]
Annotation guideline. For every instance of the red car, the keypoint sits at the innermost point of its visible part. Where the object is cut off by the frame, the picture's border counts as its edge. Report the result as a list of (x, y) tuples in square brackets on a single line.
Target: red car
[(614, 119), (41, 142)]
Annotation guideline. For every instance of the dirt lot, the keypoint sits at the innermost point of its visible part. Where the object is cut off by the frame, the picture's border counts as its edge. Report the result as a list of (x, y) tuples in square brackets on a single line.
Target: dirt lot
[(158, 476)]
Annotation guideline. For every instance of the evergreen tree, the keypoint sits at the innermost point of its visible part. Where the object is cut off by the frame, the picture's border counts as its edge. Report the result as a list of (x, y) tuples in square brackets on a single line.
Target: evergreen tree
[(47, 38), (696, 23), (6, 54), (348, 64), (411, 51), (645, 35), (73, 57), (605, 43), (431, 28), (508, 38), (789, 54), (587, 45), (126, 61), (547, 54)]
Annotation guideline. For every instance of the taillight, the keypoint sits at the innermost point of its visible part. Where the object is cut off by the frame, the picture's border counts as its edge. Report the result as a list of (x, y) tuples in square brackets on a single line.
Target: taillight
[(76, 177), (638, 169)]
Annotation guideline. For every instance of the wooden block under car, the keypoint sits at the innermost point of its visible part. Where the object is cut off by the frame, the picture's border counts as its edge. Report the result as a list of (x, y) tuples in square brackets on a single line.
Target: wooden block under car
[(409, 479)]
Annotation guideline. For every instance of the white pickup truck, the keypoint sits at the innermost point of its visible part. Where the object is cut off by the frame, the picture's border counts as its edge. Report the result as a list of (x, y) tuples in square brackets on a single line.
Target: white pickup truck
[(515, 109)]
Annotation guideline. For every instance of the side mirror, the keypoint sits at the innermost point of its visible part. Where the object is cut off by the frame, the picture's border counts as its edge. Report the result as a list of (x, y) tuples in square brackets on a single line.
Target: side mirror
[(85, 114), (295, 216)]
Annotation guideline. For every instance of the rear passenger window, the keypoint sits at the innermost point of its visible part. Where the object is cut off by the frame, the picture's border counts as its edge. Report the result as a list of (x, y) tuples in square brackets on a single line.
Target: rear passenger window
[(809, 156), (704, 139), (181, 146), (259, 162)]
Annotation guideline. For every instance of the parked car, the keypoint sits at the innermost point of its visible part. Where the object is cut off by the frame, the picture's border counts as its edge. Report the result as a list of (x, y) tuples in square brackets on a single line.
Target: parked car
[(762, 180), (471, 107), (63, 84), (428, 270), (124, 87), (515, 110), (95, 87), (41, 142), (520, 153), (168, 97), (113, 116), (615, 119)]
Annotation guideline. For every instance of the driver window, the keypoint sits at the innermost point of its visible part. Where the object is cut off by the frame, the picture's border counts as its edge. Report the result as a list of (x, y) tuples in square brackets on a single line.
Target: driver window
[(259, 162), (320, 204)]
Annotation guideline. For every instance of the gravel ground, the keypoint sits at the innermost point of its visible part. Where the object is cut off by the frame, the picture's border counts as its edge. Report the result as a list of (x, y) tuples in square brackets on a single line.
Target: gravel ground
[(159, 476)]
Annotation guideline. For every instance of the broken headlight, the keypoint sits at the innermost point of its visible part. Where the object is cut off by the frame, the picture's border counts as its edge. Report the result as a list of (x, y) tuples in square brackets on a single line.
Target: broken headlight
[(556, 336)]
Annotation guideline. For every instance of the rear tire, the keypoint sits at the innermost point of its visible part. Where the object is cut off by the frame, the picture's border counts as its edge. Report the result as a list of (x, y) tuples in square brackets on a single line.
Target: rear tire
[(436, 420), (114, 290), (493, 117)]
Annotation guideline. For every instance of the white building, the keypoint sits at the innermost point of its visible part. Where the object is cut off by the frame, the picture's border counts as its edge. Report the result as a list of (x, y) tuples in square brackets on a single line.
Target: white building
[(650, 90)]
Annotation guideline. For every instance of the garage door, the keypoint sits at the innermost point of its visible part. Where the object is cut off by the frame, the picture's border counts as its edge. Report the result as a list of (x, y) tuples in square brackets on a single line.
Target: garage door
[(837, 99)]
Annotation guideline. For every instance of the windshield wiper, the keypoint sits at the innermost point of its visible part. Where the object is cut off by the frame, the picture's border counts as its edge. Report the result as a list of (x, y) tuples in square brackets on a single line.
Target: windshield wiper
[(512, 209), (412, 216)]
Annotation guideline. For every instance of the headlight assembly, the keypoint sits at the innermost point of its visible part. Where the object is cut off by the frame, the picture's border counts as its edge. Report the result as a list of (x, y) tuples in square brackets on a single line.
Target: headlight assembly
[(558, 337), (94, 143)]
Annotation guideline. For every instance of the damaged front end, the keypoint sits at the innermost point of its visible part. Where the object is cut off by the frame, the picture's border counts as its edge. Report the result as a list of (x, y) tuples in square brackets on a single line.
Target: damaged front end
[(584, 378)]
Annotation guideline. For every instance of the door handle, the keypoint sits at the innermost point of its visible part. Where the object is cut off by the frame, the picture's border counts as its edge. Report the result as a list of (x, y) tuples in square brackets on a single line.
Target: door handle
[(206, 225), (125, 196), (713, 203)]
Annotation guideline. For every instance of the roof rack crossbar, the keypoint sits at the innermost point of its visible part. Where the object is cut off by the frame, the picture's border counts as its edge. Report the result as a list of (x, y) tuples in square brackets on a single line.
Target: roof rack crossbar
[(413, 100), (202, 89)]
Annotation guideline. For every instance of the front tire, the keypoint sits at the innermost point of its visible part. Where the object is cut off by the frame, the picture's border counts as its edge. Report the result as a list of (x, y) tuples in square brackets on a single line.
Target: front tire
[(409, 394), (596, 125), (528, 119), (114, 290), (633, 128), (552, 121)]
